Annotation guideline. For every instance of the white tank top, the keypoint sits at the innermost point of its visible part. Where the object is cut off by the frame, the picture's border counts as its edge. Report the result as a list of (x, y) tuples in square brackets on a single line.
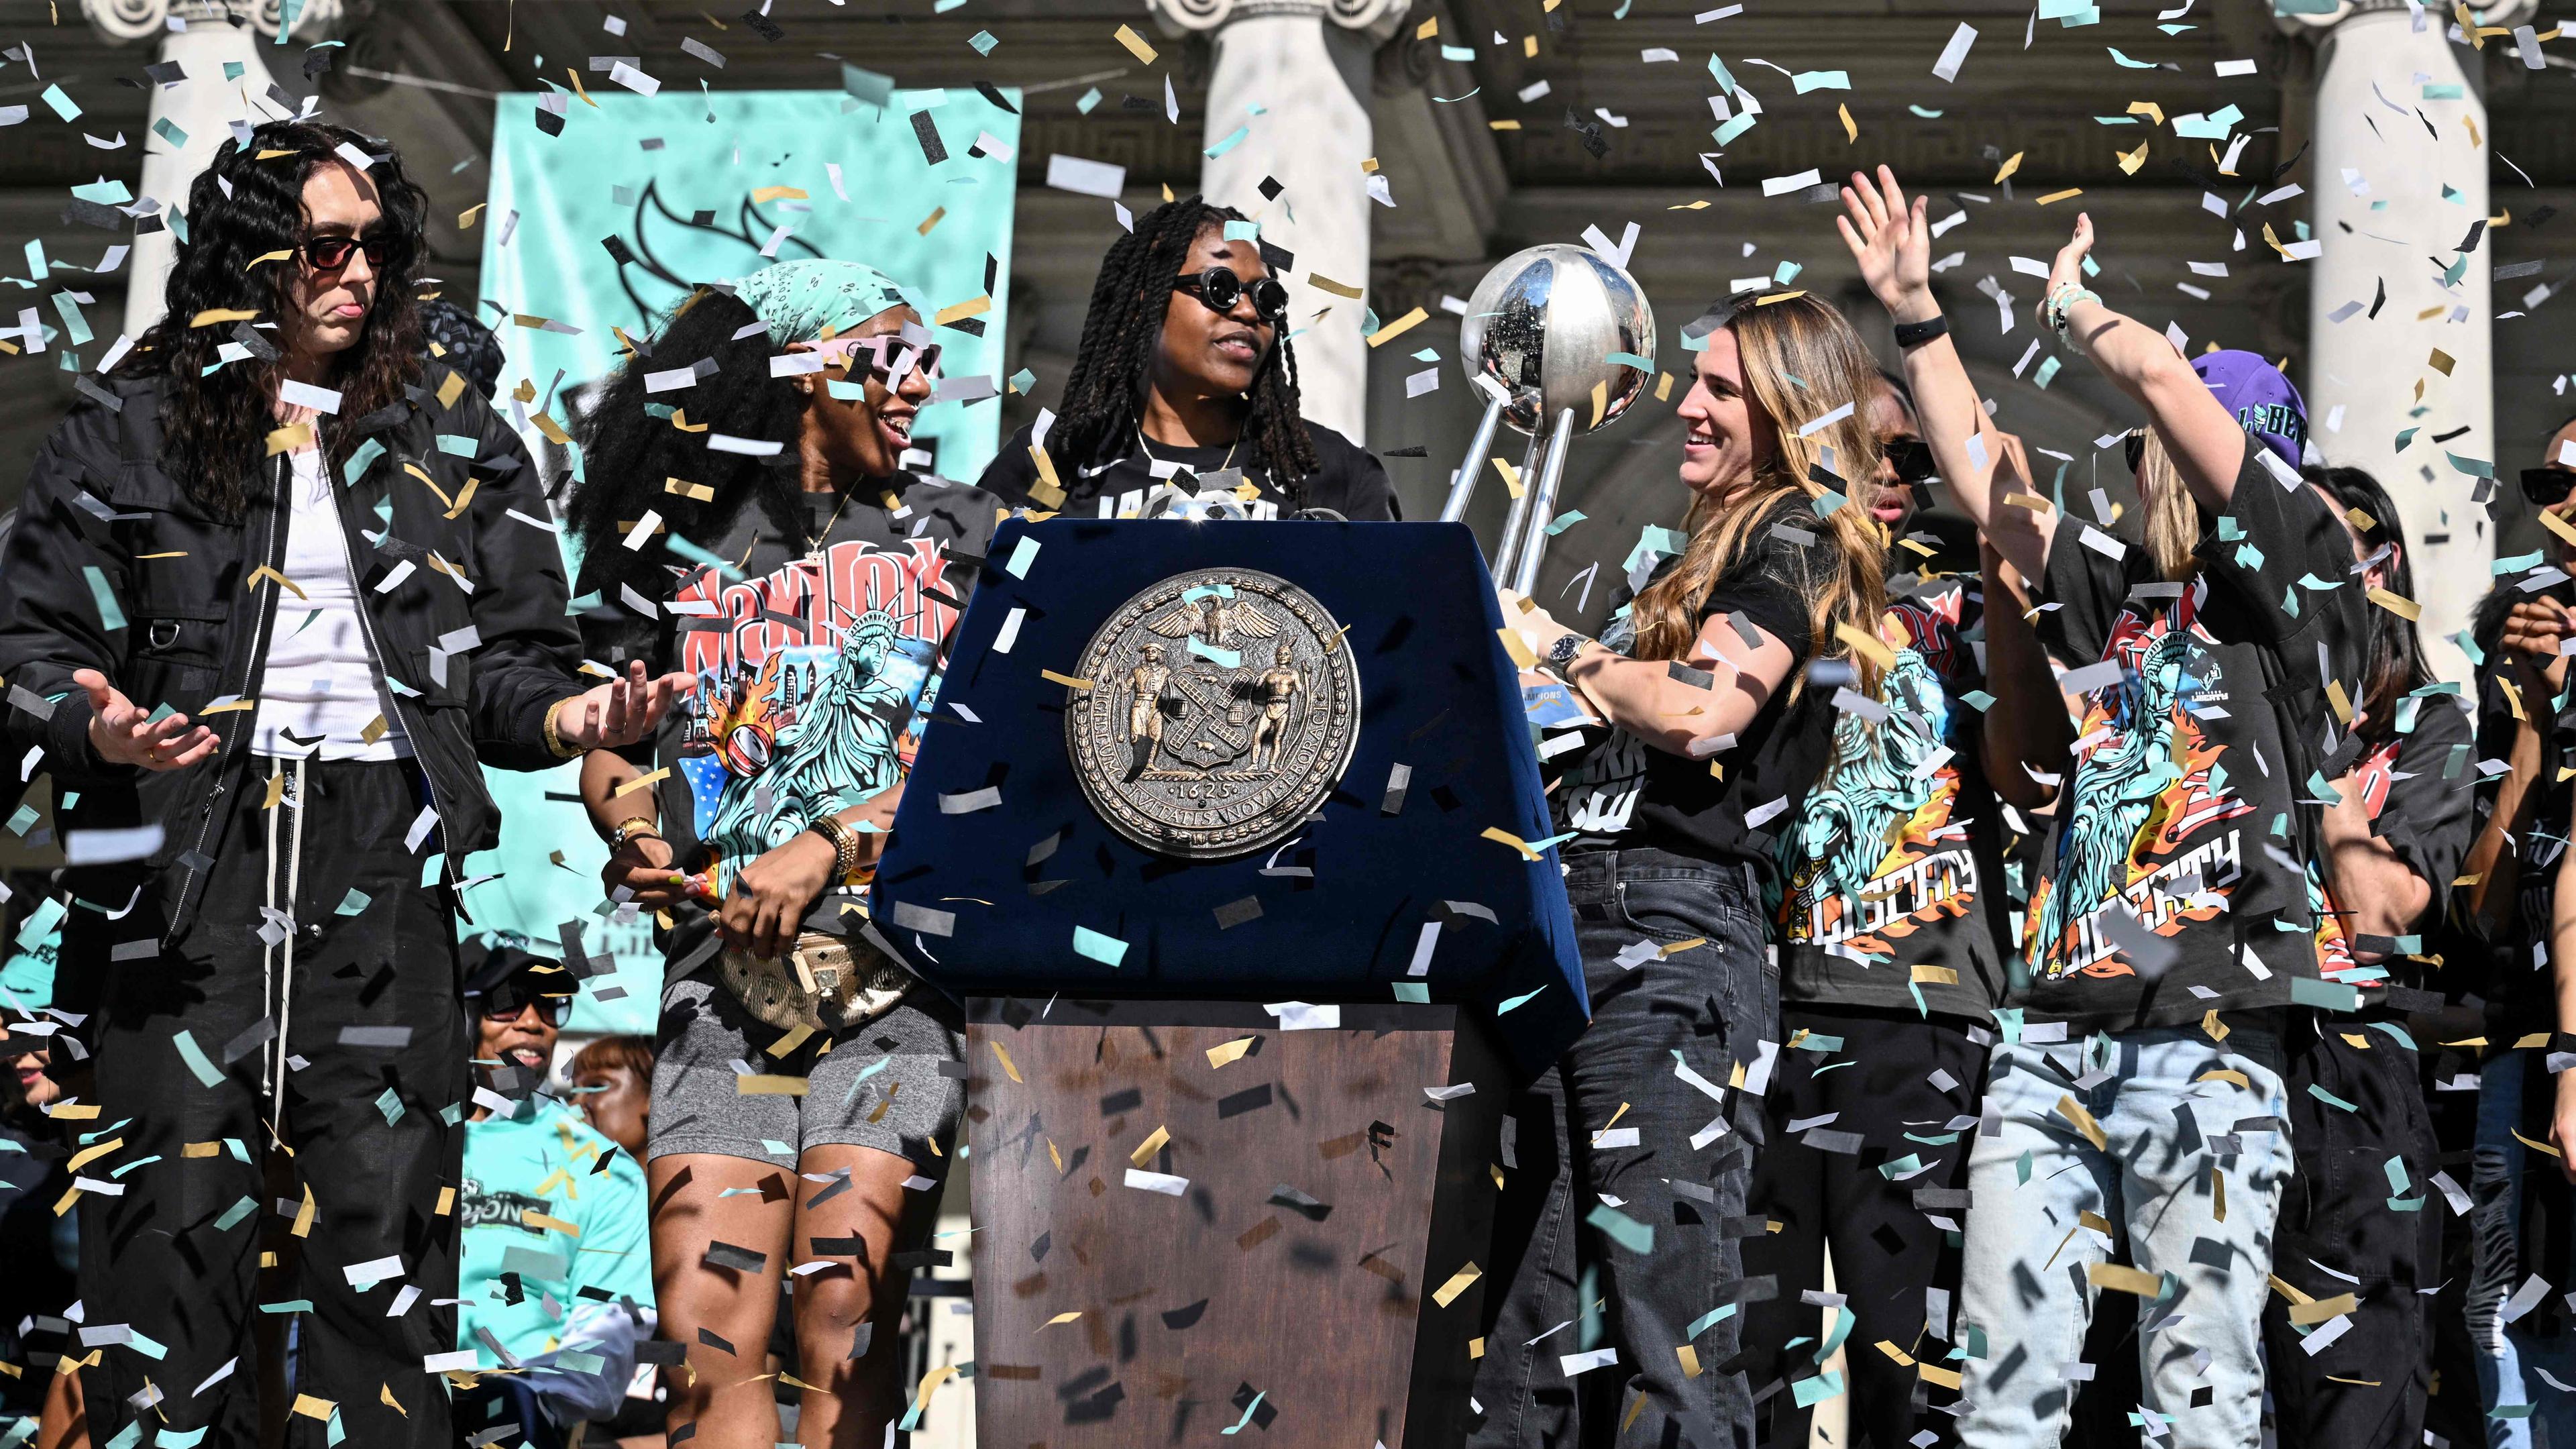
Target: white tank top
[(320, 679)]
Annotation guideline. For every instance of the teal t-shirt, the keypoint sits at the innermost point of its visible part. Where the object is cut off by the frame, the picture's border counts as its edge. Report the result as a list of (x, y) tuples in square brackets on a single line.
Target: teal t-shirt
[(541, 1161)]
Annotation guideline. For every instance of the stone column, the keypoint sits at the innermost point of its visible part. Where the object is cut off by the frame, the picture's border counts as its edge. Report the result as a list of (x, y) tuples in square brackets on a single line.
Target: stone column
[(202, 106), (1307, 65), (2386, 198)]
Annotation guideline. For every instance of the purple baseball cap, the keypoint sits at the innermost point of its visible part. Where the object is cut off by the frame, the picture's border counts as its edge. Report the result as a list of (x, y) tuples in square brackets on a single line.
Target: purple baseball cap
[(2265, 404)]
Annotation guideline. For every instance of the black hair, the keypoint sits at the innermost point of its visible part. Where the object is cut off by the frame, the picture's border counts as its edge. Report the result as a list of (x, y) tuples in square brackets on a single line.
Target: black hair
[(628, 453), (464, 343), (1104, 397), (1904, 394), (2396, 656), (247, 204)]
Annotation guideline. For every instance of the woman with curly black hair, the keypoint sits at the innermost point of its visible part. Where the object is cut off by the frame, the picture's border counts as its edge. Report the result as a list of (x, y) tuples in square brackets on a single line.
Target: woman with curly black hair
[(748, 519), (1186, 389), (276, 582)]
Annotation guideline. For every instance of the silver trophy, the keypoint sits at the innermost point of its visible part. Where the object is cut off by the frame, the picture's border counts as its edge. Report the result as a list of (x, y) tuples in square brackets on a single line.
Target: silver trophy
[(1542, 339)]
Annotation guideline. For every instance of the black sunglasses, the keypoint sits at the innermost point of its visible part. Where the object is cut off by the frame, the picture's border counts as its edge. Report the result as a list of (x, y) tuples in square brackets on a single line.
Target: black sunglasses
[(1912, 460), (885, 355), (508, 999), (1219, 288), (331, 253), (2547, 487)]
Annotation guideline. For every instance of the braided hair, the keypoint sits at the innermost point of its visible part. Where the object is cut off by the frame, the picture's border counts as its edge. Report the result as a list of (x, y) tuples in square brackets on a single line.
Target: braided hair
[(1104, 398)]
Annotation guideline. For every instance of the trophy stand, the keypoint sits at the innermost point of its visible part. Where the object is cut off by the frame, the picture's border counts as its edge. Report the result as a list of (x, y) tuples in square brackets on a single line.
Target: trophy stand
[(1555, 332)]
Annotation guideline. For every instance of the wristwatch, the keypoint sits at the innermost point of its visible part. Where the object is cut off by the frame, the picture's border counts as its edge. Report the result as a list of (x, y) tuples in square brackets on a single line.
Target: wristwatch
[(1560, 655)]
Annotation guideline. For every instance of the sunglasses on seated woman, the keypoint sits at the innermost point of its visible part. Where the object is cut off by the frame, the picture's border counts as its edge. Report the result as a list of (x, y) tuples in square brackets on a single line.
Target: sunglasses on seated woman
[(1219, 288)]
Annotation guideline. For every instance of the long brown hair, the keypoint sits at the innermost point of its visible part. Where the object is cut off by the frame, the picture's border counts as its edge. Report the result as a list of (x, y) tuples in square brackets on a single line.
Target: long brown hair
[(2172, 517), (1801, 360)]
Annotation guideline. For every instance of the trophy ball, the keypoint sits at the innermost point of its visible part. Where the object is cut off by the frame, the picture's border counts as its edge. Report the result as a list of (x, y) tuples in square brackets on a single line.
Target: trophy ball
[(1543, 324)]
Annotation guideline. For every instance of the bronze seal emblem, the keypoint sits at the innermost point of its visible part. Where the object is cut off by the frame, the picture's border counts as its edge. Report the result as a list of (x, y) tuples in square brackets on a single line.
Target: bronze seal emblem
[(1223, 707)]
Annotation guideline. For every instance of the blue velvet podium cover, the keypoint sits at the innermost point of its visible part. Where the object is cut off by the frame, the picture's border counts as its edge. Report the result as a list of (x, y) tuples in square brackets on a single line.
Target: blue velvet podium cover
[(1038, 895)]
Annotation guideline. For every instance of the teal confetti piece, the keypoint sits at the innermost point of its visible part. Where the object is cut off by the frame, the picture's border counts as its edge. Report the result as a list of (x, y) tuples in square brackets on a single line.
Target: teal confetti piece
[(2047, 373), (1717, 68), (169, 132), (1816, 1389), (195, 1056), (2131, 64), (1458, 52), (128, 1437), (1222, 658), (105, 192), (2022, 1168), (1107, 950), (696, 555), (75, 325), (1927, 115), (1630, 359), (1821, 80), (1813, 1042), (176, 1439), (1022, 556), (775, 1148), (24, 819), (61, 103), (1707, 1320), (233, 1215), (1622, 1229), (145, 1344), (2474, 467), (1419, 993), (458, 445), (1735, 126), (1910, 1162), (2330, 1099), (2444, 93), (390, 1103), (1515, 1002), (983, 41), (110, 616), (334, 1432), (1248, 1411), (359, 461), (291, 1305), (1978, 700), (1023, 380), (1242, 230), (1237, 138), (2398, 1182), (1090, 98), (2393, 1029), (352, 903), (1564, 521), (138, 1162)]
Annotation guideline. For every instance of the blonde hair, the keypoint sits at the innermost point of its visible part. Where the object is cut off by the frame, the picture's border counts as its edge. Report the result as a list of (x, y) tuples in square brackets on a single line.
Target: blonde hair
[(1801, 338), (2171, 517)]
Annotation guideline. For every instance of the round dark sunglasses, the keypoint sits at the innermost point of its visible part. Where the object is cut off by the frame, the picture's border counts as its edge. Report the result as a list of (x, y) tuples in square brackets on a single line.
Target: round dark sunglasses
[(1912, 460), (1219, 288), (507, 1000), (2547, 487), (331, 253), (884, 355)]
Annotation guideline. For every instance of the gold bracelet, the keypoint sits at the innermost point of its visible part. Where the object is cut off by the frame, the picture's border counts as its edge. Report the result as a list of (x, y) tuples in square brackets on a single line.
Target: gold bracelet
[(631, 827), (845, 844), (554, 737)]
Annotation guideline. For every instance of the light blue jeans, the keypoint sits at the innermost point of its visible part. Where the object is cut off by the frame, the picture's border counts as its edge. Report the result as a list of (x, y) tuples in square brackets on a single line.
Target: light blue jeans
[(2508, 1359), (2173, 1138)]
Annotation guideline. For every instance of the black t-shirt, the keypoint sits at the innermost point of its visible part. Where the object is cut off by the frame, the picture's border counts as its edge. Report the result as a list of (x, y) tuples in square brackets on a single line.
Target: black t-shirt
[(1737, 804), (1893, 875), (2181, 875), (2517, 982), (1347, 479), (814, 671), (2420, 788)]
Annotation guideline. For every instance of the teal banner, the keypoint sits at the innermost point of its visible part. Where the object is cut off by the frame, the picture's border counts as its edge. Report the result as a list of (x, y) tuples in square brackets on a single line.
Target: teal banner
[(604, 210)]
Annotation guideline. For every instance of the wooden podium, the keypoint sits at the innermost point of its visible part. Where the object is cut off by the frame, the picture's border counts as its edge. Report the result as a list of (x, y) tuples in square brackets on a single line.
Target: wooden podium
[(1302, 1240)]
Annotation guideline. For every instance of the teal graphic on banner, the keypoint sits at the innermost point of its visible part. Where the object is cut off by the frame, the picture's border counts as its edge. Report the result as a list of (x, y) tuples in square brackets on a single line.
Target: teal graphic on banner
[(603, 215)]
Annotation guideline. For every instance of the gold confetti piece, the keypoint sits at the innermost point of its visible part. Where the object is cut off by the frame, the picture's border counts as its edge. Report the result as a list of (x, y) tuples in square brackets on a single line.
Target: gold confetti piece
[(2339, 701), (1458, 1283), (465, 219), (1225, 1053), (1059, 1318), (2212, 1027), (452, 389), (1851, 128), (267, 257), (1322, 283), (1676, 948), (385, 1394), (212, 316), (2098, 1223), (1938, 1377), (2073, 1111), (556, 435), (2440, 361), (2535, 1146), (1936, 975), (2130, 161), (1511, 476), (769, 1085), (1529, 43), (1600, 400), (289, 439), (2068, 194), (446, 1202), (2512, 697), (2123, 1279), (1505, 837), (1153, 1143), (2217, 1196), (2556, 525), (1398, 327), (930, 1383), (1900, 1356), (92, 1153), (2402, 606), (641, 782), (1046, 491), (1664, 387), (373, 730), (2011, 165), (464, 496), (777, 193), (313, 1408), (577, 88), (1518, 648), (1067, 680), (271, 155), (1779, 297), (531, 1218), (2223, 1074), (1004, 1058), (303, 1215), (971, 307), (2531, 1041), (1135, 44), (1867, 645), (200, 1149), (1427, 28), (931, 220), (1502, 125), (2318, 1310), (699, 492), (1634, 1410), (2154, 113)]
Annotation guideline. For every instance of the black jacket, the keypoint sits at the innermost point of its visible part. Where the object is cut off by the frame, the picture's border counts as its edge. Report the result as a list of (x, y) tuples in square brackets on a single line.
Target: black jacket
[(473, 670)]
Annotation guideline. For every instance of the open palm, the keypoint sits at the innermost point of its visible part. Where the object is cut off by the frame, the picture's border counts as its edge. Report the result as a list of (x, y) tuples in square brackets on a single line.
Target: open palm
[(1889, 238)]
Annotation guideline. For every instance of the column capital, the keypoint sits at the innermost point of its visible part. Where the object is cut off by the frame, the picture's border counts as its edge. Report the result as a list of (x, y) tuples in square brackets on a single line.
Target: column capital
[(1379, 18), (2328, 14), (119, 21)]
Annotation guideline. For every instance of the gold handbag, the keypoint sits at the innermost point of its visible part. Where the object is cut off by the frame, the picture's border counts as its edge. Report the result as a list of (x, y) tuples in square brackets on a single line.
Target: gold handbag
[(824, 983)]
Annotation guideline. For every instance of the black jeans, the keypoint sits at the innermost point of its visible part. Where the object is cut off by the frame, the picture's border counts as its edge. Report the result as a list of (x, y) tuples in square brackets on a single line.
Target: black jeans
[(173, 1258), (1825, 1185), (1616, 1118), (2366, 1390)]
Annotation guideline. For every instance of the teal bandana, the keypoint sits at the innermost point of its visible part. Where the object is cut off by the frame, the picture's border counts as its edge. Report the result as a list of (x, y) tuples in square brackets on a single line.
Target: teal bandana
[(799, 299)]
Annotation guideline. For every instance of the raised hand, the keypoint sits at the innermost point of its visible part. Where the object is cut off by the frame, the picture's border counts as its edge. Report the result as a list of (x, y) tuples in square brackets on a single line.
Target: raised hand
[(621, 712), (122, 733), (2532, 637), (1890, 240), (2068, 269)]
